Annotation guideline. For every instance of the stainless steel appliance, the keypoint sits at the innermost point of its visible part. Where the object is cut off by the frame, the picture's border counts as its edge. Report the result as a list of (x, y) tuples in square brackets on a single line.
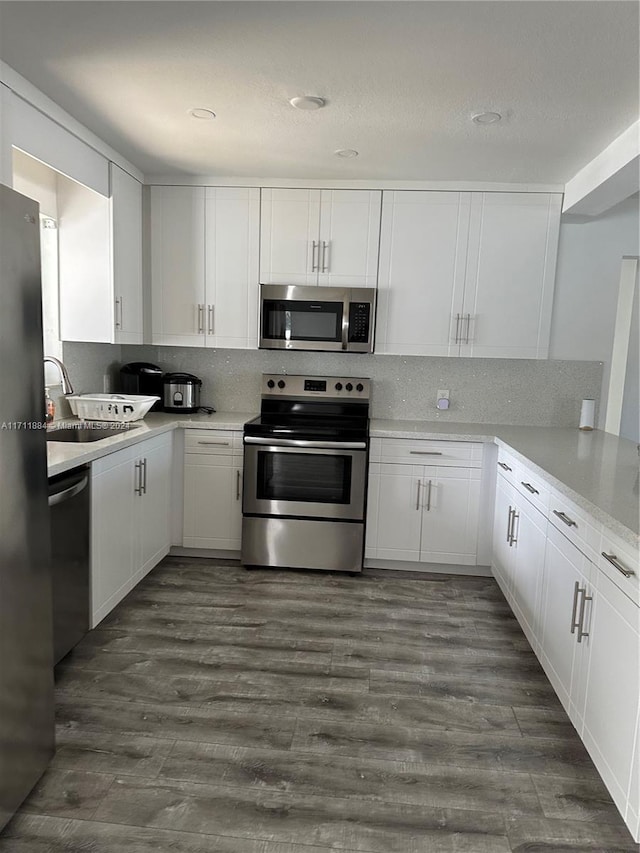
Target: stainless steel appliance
[(317, 318), (305, 474), (69, 507), (26, 647), (181, 392), (142, 377)]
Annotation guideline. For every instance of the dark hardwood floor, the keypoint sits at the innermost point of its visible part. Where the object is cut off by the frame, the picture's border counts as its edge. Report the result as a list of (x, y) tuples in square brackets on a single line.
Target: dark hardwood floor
[(218, 710)]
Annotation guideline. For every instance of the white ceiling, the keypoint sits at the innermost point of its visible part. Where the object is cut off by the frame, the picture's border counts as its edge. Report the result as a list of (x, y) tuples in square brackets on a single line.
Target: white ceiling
[(401, 80)]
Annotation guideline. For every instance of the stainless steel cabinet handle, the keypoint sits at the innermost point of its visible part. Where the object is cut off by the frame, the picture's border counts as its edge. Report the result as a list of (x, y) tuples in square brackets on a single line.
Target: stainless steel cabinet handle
[(468, 321), (568, 521), (529, 488), (237, 485), (457, 337), (138, 487), (418, 495), (144, 476), (210, 319), (429, 496), (425, 453), (581, 632), (315, 256), (118, 312), (514, 538), (217, 443), (612, 558), (201, 319), (325, 256), (574, 624), (505, 466)]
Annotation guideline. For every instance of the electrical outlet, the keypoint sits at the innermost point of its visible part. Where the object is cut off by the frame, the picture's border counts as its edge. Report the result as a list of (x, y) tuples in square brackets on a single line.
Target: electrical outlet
[(106, 384), (442, 400)]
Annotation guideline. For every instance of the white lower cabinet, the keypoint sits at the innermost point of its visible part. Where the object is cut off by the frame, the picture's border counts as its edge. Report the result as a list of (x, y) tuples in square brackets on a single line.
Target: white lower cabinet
[(212, 490), (130, 529), (424, 513)]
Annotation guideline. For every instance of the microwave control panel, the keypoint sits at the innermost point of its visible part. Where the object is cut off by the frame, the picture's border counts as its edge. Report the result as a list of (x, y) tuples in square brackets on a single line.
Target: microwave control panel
[(359, 322)]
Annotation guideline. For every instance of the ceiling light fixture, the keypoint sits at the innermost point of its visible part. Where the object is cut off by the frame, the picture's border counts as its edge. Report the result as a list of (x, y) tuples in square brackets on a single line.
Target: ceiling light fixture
[(346, 153), (486, 118), (202, 113), (308, 102)]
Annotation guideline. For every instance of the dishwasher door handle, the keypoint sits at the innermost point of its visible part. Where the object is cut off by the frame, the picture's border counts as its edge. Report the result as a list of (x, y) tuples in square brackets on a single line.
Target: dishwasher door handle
[(66, 494)]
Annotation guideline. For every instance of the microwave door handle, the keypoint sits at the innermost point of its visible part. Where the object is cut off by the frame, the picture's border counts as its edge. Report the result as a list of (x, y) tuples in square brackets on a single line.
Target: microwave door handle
[(345, 324)]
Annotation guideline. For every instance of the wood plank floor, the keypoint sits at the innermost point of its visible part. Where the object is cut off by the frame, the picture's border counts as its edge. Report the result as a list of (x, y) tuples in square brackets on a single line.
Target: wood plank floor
[(218, 710)]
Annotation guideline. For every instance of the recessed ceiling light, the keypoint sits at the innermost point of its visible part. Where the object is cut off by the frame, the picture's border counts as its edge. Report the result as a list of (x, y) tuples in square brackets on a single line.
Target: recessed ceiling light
[(308, 102), (202, 112), (346, 153), (486, 118)]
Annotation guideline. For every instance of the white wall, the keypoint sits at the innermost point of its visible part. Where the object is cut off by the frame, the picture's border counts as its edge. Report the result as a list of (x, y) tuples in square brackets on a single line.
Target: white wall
[(587, 278)]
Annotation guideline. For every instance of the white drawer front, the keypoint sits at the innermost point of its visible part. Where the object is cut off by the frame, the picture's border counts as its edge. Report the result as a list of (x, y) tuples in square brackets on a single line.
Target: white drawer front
[(533, 487), (507, 466), (212, 441), (575, 524), (404, 451), (621, 564)]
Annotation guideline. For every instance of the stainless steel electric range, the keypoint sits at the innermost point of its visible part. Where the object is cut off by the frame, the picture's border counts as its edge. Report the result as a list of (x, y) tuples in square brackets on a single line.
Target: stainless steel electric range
[(305, 474)]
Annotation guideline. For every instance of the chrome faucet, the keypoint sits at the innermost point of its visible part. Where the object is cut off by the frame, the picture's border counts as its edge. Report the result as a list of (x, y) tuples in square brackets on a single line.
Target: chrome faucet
[(67, 387)]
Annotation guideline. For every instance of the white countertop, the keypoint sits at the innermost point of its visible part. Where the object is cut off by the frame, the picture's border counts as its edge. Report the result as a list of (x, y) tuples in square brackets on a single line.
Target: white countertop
[(596, 470)]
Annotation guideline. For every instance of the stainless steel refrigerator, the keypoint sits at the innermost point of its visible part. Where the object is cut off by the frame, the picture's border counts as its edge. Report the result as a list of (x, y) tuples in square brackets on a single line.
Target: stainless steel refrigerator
[(26, 643)]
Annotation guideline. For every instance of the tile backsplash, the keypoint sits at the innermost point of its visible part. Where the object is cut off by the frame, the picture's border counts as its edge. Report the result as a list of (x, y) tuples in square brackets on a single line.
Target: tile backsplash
[(509, 391)]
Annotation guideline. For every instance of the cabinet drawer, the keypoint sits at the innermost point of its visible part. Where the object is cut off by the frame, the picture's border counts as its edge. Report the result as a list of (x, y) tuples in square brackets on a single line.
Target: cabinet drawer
[(623, 558), (213, 441), (533, 488), (406, 451), (507, 466), (575, 524)]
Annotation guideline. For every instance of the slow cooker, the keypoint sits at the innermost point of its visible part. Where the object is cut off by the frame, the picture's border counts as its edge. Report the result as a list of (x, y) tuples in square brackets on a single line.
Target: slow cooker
[(181, 392)]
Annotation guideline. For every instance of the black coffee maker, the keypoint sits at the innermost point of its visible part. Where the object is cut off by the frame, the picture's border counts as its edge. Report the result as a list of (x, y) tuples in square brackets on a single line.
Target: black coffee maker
[(141, 377)]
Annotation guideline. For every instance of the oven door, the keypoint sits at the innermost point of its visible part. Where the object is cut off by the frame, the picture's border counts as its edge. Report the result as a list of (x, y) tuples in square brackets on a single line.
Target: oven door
[(304, 479)]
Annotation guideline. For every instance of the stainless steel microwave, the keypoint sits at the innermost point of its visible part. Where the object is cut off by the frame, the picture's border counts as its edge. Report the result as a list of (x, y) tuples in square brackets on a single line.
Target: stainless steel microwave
[(333, 319)]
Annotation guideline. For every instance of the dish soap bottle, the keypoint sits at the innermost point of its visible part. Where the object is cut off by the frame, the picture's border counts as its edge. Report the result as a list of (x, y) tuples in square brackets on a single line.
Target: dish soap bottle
[(49, 406)]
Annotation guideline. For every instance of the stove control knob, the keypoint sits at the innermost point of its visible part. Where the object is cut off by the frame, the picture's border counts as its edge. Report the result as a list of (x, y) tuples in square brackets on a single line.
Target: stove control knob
[(359, 387), (349, 386), (338, 386), (271, 384), (281, 383)]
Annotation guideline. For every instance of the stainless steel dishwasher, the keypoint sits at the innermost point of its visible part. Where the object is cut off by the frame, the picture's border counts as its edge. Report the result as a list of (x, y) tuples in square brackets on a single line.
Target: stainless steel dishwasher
[(69, 507)]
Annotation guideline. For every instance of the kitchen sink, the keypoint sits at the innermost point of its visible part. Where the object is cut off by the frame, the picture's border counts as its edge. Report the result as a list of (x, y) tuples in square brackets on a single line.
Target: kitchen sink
[(84, 432)]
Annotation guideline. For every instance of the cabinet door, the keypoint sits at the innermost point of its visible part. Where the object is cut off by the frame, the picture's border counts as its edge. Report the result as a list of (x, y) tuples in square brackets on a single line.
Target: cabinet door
[(564, 567), (177, 266), (450, 499), (513, 239), (231, 263), (212, 501), (529, 548), (398, 519), (423, 248), (126, 236), (289, 236), (349, 238), (113, 532), (503, 557), (153, 506), (609, 705)]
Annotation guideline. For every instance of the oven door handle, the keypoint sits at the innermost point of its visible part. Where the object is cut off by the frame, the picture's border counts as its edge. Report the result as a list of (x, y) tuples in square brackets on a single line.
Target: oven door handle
[(299, 442)]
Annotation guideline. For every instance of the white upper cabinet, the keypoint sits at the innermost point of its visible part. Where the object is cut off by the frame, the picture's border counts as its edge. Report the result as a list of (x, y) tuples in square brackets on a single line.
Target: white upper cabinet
[(511, 263), (231, 267), (204, 266), (177, 266), (326, 237), (126, 237), (423, 250), (469, 274)]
